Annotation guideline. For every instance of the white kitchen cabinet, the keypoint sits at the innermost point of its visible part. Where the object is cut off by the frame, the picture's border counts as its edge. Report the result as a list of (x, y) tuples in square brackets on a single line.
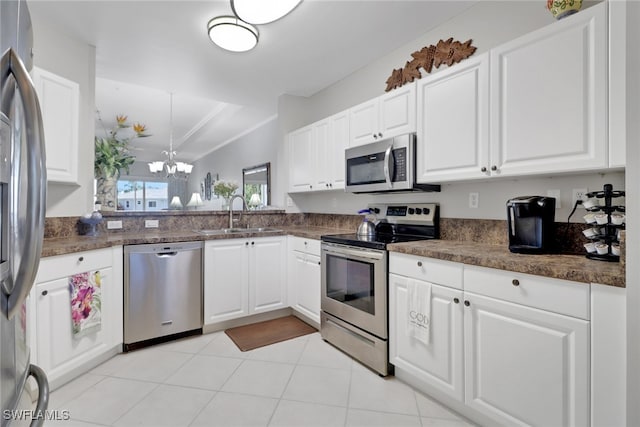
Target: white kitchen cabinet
[(439, 363), (317, 155), (59, 104), (304, 277), (549, 98), (453, 122), (617, 83), (56, 349), (301, 160), (243, 277), (513, 349), (386, 116), (525, 366)]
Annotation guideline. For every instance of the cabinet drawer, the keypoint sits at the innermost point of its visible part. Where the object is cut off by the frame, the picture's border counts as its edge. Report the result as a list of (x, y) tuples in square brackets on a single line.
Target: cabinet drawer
[(559, 296), (58, 266), (435, 271), (310, 246)]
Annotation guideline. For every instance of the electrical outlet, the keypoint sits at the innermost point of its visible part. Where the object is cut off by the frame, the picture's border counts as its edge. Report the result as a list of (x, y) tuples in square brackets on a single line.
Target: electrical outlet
[(114, 225), (473, 200), (579, 194), (151, 223), (556, 195)]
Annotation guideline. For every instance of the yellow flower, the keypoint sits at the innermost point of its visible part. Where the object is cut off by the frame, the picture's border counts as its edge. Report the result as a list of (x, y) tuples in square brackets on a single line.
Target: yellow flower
[(121, 120), (139, 129)]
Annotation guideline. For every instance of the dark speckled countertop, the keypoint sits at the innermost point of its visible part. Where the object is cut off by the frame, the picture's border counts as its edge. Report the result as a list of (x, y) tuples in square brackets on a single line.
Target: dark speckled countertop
[(569, 267), (577, 268)]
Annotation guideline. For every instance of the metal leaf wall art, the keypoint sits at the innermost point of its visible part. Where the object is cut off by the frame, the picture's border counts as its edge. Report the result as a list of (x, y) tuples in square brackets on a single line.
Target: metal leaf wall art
[(446, 52)]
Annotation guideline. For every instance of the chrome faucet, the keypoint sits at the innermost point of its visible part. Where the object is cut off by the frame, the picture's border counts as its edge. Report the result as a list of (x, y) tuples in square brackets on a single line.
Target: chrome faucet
[(244, 207)]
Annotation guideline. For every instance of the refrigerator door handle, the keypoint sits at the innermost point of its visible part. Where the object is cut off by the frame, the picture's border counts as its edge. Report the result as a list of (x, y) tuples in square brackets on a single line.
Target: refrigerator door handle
[(43, 394), (32, 230)]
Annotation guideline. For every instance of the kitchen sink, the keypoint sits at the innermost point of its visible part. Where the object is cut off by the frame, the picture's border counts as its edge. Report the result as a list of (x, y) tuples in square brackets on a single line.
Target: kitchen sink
[(218, 231)]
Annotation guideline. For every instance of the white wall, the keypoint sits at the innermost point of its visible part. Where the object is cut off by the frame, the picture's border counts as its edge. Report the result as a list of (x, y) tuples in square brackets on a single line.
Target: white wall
[(73, 60), (256, 147), (488, 24)]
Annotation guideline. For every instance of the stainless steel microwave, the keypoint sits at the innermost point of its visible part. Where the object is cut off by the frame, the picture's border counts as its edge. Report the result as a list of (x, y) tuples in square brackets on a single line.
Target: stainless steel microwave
[(383, 166)]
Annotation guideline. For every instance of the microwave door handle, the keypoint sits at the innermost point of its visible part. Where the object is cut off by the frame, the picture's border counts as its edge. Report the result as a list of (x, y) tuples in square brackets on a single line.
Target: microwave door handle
[(512, 221), (388, 166), (32, 231)]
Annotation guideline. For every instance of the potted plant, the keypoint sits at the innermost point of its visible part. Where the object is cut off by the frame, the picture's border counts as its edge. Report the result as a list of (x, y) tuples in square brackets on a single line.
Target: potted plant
[(112, 156), (225, 189)]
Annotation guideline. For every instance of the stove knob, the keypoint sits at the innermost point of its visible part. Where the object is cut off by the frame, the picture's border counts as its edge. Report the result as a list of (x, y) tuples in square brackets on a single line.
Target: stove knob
[(411, 211), (418, 211), (425, 211), (376, 210)]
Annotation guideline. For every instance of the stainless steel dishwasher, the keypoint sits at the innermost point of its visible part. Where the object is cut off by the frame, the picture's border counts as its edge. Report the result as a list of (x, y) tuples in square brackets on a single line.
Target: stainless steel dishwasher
[(162, 292)]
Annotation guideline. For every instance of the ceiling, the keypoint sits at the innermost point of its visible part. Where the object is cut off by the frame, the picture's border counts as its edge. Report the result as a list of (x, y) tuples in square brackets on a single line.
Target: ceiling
[(146, 50)]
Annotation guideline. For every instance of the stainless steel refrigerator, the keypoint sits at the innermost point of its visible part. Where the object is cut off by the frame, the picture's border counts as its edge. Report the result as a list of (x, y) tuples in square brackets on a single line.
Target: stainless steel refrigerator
[(22, 205)]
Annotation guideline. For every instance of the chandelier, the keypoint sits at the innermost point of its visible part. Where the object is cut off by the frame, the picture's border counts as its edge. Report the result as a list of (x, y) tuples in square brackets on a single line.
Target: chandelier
[(171, 167)]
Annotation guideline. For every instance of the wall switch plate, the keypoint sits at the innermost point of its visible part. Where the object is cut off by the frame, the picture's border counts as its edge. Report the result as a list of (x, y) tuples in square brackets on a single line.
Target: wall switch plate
[(289, 201), (473, 200), (114, 225), (151, 223), (579, 194), (556, 195)]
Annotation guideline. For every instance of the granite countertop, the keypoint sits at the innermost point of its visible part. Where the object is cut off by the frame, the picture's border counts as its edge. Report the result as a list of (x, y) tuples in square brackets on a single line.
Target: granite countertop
[(576, 268), (568, 267), (72, 244)]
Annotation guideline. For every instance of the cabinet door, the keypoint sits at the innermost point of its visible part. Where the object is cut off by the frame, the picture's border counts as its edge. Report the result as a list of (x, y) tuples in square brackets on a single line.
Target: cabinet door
[(397, 112), (453, 123), (267, 274), (59, 103), (439, 363), (549, 100), (226, 283), (301, 162), (524, 365), (305, 284), (363, 123), (59, 350), (338, 142), (321, 154)]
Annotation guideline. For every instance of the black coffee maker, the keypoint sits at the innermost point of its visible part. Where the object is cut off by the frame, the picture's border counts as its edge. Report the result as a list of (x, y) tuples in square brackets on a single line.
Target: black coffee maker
[(531, 224)]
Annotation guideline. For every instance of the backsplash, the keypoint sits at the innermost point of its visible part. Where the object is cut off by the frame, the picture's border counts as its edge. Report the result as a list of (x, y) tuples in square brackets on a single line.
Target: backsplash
[(569, 238)]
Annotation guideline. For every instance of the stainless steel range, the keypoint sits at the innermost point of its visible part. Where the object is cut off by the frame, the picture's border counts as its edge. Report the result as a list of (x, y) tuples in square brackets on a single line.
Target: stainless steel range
[(354, 305)]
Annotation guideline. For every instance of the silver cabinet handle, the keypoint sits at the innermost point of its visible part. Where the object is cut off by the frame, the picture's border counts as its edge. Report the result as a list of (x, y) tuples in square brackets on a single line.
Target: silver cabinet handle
[(515, 282), (494, 168), (32, 231), (419, 263)]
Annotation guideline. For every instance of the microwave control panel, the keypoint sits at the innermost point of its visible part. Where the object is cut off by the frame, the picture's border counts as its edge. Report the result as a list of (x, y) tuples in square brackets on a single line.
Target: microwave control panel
[(400, 164)]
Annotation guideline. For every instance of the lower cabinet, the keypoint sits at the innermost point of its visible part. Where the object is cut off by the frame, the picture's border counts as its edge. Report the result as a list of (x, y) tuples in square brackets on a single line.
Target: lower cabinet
[(304, 277), (243, 277), (55, 347), (516, 353)]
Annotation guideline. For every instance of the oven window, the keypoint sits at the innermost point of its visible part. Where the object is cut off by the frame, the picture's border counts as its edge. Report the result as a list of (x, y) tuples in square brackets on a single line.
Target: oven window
[(351, 282)]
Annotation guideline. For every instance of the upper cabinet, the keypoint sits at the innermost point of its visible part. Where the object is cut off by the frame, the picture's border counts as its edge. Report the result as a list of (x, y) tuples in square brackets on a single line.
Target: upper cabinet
[(59, 102), (316, 155), (386, 116), (453, 122), (549, 98)]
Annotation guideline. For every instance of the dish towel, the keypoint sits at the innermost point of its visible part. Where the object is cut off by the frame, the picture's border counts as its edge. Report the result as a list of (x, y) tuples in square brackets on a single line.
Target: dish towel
[(86, 310), (419, 312)]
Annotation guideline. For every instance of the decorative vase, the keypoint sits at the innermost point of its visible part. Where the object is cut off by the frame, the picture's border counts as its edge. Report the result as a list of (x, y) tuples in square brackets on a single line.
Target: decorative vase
[(106, 192), (226, 201), (563, 8)]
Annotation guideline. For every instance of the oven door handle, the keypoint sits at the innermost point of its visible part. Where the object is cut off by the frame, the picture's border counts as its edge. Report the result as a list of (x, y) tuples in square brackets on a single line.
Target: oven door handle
[(388, 165), (355, 254)]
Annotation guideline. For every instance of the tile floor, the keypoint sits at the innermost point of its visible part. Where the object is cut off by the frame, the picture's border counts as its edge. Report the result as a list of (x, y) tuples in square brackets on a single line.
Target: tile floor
[(207, 381)]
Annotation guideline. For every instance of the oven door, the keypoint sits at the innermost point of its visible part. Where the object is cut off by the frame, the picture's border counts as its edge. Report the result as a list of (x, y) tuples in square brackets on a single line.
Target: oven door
[(354, 286)]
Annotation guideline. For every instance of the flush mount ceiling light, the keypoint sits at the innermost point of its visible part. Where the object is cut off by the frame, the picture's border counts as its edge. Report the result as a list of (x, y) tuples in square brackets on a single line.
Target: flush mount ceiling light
[(232, 34), (262, 11)]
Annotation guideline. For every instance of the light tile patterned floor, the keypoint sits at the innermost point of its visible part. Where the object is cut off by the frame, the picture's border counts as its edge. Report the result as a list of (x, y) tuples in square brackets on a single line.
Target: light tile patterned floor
[(207, 381)]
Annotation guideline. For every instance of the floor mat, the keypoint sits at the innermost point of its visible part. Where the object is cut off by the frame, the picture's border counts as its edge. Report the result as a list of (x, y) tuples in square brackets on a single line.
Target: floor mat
[(268, 332)]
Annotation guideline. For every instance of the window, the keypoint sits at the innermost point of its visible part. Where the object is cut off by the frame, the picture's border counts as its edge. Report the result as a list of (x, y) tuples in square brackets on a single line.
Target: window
[(135, 195)]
